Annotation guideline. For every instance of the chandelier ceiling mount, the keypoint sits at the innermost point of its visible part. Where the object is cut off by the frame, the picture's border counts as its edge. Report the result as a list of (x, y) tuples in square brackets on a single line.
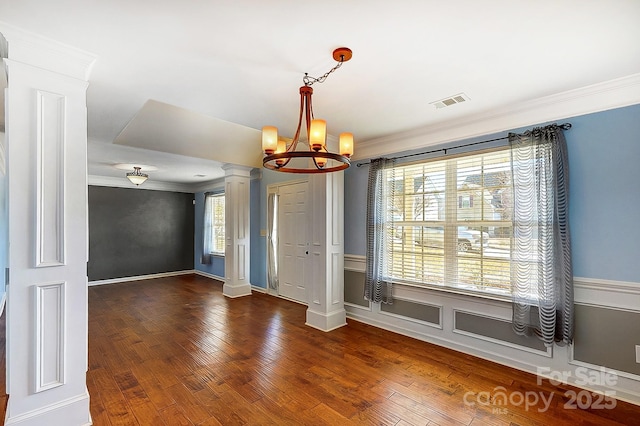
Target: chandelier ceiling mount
[(136, 176)]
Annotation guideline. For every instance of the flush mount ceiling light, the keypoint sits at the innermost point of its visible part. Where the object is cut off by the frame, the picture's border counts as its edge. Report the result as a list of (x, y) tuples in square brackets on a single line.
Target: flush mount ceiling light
[(136, 176), (317, 158)]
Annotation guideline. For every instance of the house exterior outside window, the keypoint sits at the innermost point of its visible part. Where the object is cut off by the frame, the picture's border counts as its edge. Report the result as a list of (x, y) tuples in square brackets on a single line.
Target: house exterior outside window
[(450, 223), (216, 221)]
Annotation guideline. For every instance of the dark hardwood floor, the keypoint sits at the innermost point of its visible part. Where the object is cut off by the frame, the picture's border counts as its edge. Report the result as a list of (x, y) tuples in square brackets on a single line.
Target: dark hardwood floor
[(175, 351)]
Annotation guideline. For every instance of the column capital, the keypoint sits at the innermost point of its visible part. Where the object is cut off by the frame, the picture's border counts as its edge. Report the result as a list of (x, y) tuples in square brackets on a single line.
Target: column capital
[(236, 170), (42, 52)]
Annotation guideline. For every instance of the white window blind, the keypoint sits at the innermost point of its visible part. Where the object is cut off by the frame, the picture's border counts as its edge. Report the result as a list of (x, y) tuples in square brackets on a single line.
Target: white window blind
[(450, 222), (216, 221)]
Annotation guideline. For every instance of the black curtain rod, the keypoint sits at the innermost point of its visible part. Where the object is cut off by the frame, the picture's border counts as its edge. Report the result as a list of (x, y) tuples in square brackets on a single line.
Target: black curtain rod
[(565, 126)]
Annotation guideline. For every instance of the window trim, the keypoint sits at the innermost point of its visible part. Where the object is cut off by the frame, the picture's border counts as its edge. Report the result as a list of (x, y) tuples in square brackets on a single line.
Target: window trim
[(213, 197), (451, 184)]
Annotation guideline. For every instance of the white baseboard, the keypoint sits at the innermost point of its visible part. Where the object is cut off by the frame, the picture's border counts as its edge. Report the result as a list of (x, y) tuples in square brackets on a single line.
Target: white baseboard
[(140, 277), (326, 321), (151, 276), (238, 290), (208, 275)]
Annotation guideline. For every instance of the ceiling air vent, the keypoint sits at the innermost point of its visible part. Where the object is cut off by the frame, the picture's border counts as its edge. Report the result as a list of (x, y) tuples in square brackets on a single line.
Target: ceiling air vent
[(451, 100)]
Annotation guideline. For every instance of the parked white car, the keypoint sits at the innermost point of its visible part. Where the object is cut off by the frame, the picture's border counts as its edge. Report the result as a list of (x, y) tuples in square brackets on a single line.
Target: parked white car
[(468, 239)]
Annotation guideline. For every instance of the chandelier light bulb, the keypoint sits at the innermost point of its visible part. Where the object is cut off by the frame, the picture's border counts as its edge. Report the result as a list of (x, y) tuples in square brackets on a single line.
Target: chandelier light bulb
[(346, 144), (269, 139), (317, 134), (281, 147)]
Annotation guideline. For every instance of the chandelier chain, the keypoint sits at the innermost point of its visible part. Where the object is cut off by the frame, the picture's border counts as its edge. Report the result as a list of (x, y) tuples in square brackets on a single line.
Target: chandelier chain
[(308, 81)]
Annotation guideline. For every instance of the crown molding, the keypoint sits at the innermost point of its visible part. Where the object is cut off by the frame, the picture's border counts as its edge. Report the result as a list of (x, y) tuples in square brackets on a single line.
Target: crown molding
[(617, 93), (256, 174), (154, 185), (213, 185), (36, 50), (236, 170)]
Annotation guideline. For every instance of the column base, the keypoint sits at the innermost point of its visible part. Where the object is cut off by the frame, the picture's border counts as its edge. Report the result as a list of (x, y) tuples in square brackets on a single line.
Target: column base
[(237, 290), (326, 321), (73, 410)]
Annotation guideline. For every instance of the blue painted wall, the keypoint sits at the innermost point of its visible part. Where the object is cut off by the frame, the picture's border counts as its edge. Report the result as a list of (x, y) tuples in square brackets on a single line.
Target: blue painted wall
[(217, 262), (604, 171), (258, 275), (604, 168)]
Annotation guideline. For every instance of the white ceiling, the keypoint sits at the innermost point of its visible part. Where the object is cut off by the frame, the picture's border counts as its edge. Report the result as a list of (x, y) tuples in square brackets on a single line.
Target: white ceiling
[(242, 62)]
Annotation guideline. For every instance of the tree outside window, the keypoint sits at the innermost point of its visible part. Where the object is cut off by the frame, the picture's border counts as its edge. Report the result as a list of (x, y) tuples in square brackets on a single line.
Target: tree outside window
[(216, 222)]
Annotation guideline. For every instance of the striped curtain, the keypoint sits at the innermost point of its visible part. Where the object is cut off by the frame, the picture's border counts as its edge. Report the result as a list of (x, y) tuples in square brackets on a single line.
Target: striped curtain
[(272, 242), (207, 229), (378, 286), (541, 271)]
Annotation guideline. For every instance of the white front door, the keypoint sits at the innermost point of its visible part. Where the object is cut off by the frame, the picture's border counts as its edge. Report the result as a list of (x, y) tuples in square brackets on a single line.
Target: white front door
[(293, 249)]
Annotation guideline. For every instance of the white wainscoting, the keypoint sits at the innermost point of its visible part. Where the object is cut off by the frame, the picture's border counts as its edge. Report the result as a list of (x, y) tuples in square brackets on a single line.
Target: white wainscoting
[(596, 292)]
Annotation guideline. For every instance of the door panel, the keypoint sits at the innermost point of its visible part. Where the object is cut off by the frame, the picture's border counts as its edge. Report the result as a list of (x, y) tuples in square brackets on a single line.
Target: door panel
[(292, 244)]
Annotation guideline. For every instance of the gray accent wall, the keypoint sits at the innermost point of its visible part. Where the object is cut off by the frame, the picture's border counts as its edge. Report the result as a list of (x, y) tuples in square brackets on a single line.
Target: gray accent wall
[(607, 337), (354, 288), (409, 309), (135, 232), (494, 328)]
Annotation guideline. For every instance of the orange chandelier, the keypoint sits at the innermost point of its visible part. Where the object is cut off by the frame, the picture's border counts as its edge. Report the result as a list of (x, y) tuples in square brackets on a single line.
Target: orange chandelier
[(283, 157)]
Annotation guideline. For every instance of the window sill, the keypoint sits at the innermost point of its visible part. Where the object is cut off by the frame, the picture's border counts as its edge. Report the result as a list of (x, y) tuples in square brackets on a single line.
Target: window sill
[(217, 254), (457, 291)]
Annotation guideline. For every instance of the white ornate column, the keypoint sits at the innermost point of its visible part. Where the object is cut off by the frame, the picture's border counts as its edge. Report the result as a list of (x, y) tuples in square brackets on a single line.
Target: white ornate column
[(236, 216), (326, 292), (46, 136)]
